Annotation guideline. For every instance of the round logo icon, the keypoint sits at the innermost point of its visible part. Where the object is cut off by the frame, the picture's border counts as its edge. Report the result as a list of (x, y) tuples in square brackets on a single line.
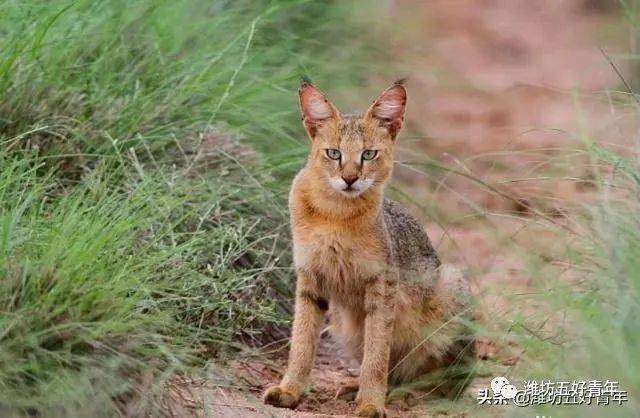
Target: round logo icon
[(497, 383)]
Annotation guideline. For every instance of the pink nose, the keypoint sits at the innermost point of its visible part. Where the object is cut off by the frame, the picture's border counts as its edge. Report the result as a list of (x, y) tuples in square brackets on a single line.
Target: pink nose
[(350, 180)]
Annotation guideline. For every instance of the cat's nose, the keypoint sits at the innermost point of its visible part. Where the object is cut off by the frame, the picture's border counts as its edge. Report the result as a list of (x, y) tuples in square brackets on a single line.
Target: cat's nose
[(350, 179)]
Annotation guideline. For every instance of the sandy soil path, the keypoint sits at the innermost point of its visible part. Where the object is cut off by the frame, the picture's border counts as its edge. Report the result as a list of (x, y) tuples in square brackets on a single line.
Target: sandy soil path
[(492, 91)]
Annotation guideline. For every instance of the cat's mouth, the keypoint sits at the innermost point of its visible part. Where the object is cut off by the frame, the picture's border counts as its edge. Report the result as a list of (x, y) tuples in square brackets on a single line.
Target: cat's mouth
[(351, 191)]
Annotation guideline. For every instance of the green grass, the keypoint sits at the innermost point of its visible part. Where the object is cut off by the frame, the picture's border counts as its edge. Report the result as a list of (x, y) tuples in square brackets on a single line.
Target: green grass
[(139, 237), (115, 74), (145, 150), (101, 279), (596, 307)]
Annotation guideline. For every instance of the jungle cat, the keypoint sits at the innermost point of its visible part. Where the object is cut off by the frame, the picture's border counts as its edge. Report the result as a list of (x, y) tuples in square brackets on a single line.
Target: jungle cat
[(365, 261)]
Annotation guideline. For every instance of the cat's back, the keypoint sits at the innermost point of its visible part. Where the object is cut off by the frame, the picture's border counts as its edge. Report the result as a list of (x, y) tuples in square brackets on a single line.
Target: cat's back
[(412, 249)]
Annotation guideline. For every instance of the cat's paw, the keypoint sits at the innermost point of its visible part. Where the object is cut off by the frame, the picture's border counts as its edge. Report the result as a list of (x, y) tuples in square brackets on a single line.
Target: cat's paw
[(348, 391), (281, 398), (370, 411)]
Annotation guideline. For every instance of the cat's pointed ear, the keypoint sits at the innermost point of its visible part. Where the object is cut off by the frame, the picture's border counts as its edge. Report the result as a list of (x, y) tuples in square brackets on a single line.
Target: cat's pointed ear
[(388, 109), (316, 109)]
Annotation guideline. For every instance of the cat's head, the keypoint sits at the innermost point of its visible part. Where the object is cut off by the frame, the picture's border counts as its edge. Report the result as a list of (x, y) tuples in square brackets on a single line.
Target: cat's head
[(353, 154)]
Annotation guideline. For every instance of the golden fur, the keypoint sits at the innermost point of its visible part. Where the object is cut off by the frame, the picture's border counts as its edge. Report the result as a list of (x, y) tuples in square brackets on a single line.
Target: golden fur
[(364, 260)]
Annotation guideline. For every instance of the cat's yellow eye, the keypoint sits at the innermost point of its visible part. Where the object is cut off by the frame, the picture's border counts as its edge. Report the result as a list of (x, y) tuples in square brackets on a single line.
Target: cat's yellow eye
[(334, 154), (369, 154)]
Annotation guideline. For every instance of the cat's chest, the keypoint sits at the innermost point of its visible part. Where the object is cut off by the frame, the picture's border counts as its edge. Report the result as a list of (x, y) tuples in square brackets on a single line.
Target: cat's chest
[(326, 248), (341, 258)]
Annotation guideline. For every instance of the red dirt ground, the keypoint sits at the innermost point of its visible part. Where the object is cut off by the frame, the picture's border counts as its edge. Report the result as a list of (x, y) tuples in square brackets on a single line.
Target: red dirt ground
[(494, 88)]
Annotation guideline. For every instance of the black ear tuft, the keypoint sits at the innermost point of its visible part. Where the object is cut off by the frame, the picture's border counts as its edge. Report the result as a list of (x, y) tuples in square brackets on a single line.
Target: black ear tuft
[(401, 81), (304, 80)]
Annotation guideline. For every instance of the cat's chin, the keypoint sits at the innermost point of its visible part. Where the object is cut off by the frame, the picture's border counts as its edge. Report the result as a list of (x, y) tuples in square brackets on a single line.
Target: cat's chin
[(351, 193)]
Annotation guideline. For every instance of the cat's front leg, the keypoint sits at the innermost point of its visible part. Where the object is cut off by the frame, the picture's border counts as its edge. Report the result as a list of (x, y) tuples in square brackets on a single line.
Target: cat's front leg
[(378, 328), (310, 307)]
